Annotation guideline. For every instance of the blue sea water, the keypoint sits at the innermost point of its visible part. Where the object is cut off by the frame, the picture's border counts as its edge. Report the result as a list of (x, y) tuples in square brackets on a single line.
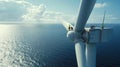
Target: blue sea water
[(46, 45)]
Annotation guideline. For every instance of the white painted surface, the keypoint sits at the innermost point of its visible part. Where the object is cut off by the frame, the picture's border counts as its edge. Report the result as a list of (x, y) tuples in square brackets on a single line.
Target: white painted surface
[(94, 36), (90, 55), (86, 7), (80, 54)]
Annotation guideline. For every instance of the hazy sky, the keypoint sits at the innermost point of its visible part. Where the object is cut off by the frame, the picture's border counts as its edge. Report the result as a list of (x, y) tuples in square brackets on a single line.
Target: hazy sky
[(51, 11)]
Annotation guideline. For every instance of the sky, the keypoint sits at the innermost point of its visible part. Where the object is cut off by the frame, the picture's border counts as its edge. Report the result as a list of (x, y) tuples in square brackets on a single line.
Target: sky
[(51, 11)]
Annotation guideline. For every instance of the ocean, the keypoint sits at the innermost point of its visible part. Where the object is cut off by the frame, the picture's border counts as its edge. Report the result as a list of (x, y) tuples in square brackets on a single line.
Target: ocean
[(46, 45)]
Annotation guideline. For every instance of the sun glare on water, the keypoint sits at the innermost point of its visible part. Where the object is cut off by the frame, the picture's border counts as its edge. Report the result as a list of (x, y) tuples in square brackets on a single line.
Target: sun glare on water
[(13, 52)]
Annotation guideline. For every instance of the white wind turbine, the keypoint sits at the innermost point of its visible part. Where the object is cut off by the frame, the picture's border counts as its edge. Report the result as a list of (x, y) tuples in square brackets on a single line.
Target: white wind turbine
[(85, 39)]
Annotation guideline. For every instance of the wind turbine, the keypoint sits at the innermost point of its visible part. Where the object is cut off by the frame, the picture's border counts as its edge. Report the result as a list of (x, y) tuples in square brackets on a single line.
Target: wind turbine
[(85, 39)]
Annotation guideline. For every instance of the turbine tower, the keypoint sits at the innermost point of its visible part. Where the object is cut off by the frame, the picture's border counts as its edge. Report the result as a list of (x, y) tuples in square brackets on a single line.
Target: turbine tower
[(85, 39)]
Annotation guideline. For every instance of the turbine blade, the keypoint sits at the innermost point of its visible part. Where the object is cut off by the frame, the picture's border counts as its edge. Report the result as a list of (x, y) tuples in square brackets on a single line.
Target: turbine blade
[(67, 25), (86, 7), (91, 55), (80, 54), (103, 20)]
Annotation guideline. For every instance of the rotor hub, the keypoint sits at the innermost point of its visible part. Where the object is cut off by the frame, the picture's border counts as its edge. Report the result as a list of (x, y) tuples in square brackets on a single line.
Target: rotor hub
[(74, 36)]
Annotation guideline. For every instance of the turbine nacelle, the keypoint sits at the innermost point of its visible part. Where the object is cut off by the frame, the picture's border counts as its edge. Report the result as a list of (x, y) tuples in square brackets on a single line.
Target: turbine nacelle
[(91, 35), (97, 35)]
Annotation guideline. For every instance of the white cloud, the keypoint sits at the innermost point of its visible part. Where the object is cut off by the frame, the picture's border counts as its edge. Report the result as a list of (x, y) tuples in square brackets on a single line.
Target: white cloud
[(15, 1), (39, 14), (34, 13), (21, 10), (100, 5), (11, 10)]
